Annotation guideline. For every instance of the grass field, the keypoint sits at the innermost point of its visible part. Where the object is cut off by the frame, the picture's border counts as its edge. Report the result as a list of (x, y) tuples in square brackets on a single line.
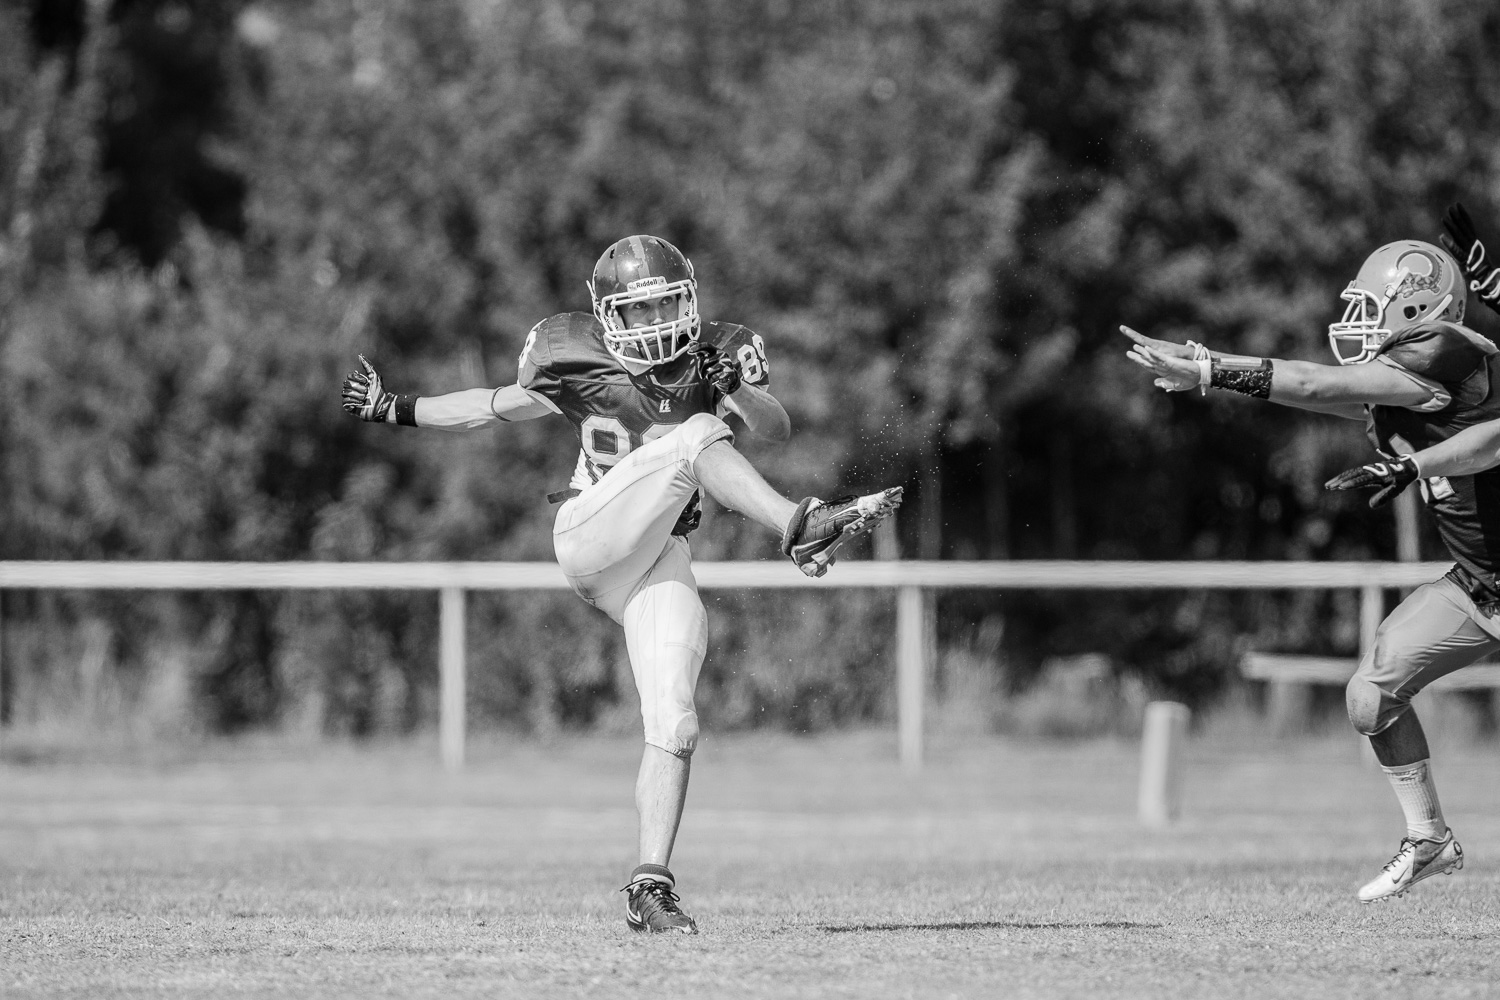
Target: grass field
[(814, 867)]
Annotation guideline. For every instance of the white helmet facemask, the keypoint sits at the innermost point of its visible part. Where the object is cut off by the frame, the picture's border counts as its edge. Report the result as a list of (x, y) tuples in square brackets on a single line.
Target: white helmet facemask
[(1356, 339), (657, 343)]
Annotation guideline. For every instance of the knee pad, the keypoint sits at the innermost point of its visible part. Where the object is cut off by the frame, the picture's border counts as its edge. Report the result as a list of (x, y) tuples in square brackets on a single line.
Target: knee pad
[(684, 739), (1370, 709), (666, 684), (666, 632)]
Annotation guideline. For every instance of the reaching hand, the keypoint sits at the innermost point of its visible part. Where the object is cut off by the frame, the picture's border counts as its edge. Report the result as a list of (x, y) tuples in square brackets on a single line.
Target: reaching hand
[(719, 368), (1391, 477), (1163, 347), (1172, 374), (364, 396), (1463, 242)]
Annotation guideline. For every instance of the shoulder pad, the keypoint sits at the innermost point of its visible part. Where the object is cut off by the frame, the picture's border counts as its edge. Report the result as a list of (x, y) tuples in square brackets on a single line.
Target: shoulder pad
[(1443, 352), (568, 344), (743, 344)]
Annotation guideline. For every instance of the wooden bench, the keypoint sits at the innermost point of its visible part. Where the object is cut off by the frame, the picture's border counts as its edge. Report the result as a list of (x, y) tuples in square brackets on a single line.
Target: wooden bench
[(1289, 677)]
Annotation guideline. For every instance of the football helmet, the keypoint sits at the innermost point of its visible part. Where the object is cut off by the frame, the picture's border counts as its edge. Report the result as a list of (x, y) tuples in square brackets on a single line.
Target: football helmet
[(636, 269), (1399, 285)]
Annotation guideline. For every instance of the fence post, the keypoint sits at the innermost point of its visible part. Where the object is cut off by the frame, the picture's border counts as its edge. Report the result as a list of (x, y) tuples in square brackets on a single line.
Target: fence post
[(911, 673), (1287, 706), (1371, 611), (1159, 801), (451, 677)]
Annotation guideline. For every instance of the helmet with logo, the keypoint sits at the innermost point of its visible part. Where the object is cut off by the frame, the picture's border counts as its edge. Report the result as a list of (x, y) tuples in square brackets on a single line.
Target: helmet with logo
[(640, 269), (1398, 286)]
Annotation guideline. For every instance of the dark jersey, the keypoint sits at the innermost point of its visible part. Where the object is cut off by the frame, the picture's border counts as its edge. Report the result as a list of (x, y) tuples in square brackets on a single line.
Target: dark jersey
[(1463, 370), (614, 410)]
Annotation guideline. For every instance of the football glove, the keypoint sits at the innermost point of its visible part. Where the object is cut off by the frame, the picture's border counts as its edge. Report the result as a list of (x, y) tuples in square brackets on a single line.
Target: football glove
[(717, 367), (689, 519), (1390, 477), (1463, 242), (364, 396)]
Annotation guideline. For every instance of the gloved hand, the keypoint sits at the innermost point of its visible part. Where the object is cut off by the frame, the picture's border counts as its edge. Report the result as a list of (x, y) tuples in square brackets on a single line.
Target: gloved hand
[(690, 518), (717, 367), (1390, 477), (1463, 242), (364, 396)]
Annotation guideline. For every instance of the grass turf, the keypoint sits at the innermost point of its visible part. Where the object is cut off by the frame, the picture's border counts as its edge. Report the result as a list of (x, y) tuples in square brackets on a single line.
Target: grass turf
[(815, 868)]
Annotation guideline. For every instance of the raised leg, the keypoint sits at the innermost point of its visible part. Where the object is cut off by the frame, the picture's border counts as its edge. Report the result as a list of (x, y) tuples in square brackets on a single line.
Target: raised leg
[(730, 479)]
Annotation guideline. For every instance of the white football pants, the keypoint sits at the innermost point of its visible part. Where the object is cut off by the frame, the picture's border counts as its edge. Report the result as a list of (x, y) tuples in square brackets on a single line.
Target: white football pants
[(615, 545)]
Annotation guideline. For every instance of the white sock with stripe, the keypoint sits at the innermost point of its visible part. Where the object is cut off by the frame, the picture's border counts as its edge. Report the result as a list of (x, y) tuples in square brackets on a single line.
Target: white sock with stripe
[(1419, 800)]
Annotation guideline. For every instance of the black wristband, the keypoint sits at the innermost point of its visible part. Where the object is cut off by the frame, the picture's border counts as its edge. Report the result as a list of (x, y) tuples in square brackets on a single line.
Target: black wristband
[(406, 411), (1249, 382)]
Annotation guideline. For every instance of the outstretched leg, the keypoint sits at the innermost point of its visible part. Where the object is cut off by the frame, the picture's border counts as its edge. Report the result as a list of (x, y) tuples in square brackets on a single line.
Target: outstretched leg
[(1433, 632), (811, 531), (1402, 743), (730, 479)]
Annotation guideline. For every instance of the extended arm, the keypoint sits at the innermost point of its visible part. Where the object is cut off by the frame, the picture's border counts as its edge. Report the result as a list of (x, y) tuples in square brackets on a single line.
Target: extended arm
[(468, 409), (367, 398), (1339, 389), (1472, 450)]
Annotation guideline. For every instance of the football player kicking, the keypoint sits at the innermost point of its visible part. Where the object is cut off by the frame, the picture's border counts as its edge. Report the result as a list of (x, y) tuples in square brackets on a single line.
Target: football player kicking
[(646, 384), (1417, 377)]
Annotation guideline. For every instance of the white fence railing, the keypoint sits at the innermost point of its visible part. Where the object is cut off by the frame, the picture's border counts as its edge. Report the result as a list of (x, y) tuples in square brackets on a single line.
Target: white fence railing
[(909, 579)]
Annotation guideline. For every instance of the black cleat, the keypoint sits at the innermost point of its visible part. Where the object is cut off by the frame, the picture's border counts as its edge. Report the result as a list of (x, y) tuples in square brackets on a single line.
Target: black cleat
[(818, 528), (651, 906)]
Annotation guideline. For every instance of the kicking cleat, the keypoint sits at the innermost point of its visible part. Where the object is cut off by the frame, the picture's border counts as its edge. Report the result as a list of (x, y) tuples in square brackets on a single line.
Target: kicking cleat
[(651, 905), (1416, 860), (818, 528)]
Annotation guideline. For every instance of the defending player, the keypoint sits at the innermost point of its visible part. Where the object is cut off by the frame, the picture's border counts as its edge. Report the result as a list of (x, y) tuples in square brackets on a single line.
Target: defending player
[(1416, 376), (646, 384)]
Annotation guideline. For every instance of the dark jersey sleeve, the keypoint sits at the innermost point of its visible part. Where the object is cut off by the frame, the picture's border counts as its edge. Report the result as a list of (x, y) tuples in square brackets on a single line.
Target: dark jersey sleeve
[(745, 346), (1450, 355)]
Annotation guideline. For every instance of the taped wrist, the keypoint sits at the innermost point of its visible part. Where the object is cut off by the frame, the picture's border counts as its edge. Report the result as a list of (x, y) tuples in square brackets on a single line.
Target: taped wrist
[(406, 410), (1237, 375), (1205, 366)]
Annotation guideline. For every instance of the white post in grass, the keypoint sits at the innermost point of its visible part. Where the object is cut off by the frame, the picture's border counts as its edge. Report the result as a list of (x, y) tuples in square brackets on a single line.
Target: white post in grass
[(911, 653), (911, 673), (1160, 799), (451, 677), (1371, 612)]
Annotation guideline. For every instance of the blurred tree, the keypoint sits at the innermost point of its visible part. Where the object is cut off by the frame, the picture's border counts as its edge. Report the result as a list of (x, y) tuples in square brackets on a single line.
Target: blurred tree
[(167, 122), (936, 211)]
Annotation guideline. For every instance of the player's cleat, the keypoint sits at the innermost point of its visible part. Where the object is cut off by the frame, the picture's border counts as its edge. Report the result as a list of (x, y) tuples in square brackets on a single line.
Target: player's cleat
[(651, 905), (818, 528), (1416, 860)]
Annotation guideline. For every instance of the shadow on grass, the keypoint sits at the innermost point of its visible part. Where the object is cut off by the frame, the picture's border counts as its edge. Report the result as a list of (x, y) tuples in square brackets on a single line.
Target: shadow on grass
[(987, 925)]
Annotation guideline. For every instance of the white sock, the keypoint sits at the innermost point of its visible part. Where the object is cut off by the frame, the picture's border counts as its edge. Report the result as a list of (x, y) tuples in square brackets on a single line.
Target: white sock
[(1419, 800)]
